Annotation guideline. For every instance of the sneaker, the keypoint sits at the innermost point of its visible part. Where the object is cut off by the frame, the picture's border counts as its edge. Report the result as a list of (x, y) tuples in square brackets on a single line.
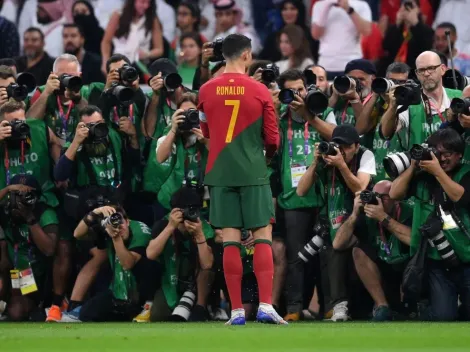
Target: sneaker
[(292, 317), (71, 317), (381, 313), (199, 313), (340, 312), (237, 318), (267, 314), (54, 314), (144, 316)]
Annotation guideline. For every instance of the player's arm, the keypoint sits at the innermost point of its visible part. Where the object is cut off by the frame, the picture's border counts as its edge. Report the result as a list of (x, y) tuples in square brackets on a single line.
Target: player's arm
[(202, 115), (270, 126)]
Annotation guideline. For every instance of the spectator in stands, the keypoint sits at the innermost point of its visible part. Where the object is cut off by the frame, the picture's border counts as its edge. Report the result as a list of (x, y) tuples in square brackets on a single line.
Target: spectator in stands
[(9, 38), (320, 72), (50, 19), (74, 40), (190, 57), (35, 60), (294, 47), (187, 21), (461, 60), (229, 21), (338, 25), (390, 8), (292, 12), (406, 39), (134, 32), (456, 12), (166, 15), (84, 16)]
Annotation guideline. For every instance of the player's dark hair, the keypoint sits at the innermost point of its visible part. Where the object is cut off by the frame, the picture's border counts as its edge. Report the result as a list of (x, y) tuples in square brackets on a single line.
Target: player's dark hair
[(187, 97), (234, 45), (256, 65), (291, 75), (116, 58), (217, 67)]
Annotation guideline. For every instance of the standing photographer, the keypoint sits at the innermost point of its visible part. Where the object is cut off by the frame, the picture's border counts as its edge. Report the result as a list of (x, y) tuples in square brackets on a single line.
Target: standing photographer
[(380, 235), (441, 187), (181, 244), (7, 77), (417, 122), (31, 233), (126, 241), (356, 166)]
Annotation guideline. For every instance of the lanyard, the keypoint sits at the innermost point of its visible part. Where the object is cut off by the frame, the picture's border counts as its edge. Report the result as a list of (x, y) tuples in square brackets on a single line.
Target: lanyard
[(382, 234), (438, 110), (343, 115), (64, 118), (290, 135), (6, 162), (15, 256), (131, 114)]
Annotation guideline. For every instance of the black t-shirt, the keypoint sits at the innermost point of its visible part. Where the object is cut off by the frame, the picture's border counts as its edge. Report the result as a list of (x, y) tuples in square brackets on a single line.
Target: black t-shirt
[(91, 68), (40, 71)]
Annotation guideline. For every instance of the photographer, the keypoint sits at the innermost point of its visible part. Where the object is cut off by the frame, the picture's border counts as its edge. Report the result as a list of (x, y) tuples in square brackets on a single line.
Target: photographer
[(370, 118), (356, 166), (7, 77), (293, 160), (182, 243), (418, 122), (31, 233), (182, 152), (441, 187), (347, 107), (126, 241), (379, 231), (59, 101)]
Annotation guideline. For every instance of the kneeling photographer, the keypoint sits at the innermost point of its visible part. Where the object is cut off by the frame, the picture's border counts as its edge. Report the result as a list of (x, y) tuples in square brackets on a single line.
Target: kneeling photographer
[(125, 241), (182, 152), (182, 243), (379, 230), (441, 187), (341, 167), (31, 233)]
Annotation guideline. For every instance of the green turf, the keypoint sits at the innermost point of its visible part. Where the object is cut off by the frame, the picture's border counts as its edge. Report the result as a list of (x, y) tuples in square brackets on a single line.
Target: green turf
[(253, 337)]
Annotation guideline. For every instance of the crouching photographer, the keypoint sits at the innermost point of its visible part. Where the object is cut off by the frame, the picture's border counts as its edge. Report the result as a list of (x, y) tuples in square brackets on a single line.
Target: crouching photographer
[(379, 230), (441, 187), (125, 241), (344, 167), (182, 243), (31, 233)]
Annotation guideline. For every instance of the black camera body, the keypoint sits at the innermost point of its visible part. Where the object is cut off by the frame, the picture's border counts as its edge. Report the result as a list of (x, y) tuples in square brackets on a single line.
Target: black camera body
[(420, 152), (191, 120), (19, 130), (270, 74), (115, 220), (315, 100), (128, 74), (343, 84), (172, 81), (97, 132), (327, 148), (368, 197), (121, 95), (408, 93), (191, 213), (217, 46), (15, 198), (460, 106), (25, 83), (73, 83), (321, 236), (287, 95)]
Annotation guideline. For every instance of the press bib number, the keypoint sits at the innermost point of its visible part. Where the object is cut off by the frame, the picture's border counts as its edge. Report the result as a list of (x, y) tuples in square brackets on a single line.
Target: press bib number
[(23, 280), (297, 171)]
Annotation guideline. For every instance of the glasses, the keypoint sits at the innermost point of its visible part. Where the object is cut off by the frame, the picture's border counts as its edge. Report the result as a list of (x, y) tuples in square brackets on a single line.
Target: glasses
[(429, 69), (446, 155)]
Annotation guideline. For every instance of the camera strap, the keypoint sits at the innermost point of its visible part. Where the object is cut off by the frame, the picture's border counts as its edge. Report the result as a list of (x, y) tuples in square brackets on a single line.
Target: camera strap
[(131, 114), (428, 106), (6, 162), (383, 238), (290, 135), (64, 118)]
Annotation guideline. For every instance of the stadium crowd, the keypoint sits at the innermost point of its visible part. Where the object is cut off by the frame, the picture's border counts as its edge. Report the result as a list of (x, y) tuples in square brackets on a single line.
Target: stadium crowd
[(104, 205)]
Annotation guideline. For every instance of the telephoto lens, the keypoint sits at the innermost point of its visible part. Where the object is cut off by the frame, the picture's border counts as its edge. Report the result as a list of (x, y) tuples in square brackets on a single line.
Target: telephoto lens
[(368, 197), (270, 73), (396, 164), (122, 95), (115, 220), (191, 213), (73, 83), (128, 74), (327, 148), (448, 80), (382, 85), (19, 130), (460, 106), (217, 46), (321, 233), (344, 84), (172, 81), (287, 96), (98, 131), (184, 307), (17, 92), (315, 100)]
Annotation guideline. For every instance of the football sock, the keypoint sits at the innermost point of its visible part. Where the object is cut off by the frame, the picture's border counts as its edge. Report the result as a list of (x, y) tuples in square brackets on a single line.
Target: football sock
[(264, 270), (233, 272)]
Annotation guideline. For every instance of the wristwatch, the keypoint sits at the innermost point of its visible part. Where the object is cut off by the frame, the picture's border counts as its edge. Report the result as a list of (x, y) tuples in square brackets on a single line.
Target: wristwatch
[(385, 222), (351, 10)]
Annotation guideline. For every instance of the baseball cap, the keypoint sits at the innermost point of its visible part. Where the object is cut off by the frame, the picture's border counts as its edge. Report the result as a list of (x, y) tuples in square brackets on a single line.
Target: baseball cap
[(164, 66), (345, 134), (361, 65), (27, 180)]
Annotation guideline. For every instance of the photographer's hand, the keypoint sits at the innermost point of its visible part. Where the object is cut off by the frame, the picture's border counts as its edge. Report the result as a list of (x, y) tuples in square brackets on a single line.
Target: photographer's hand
[(112, 231), (20, 188), (432, 167), (26, 212), (105, 211), (175, 218), (3, 95), (5, 130), (52, 84), (257, 75), (250, 241), (207, 53), (375, 212), (126, 126), (335, 160), (275, 97), (357, 204), (200, 136), (111, 78), (81, 133), (176, 120), (298, 105), (463, 119), (195, 230), (156, 83), (73, 95)]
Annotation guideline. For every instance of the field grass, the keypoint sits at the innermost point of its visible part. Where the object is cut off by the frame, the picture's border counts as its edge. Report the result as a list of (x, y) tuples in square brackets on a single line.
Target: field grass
[(253, 337)]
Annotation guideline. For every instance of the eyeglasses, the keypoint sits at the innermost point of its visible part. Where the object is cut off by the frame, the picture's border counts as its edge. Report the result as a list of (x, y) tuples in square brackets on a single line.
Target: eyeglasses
[(429, 69), (446, 155)]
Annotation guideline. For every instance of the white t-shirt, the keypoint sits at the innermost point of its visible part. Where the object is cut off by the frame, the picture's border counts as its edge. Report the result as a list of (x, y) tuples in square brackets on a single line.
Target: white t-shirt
[(456, 12), (341, 41), (367, 163), (284, 64)]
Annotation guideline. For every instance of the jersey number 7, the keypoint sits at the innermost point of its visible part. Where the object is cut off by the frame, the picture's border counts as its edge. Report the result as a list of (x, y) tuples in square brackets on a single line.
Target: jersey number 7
[(233, 118)]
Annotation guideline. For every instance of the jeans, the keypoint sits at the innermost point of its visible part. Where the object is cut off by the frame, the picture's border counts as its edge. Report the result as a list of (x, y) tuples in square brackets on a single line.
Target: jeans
[(299, 224), (445, 286), (104, 307)]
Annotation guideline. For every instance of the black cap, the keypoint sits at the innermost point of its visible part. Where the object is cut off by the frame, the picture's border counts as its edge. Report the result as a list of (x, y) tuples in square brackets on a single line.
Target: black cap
[(186, 197), (164, 66), (345, 134), (27, 180), (361, 65)]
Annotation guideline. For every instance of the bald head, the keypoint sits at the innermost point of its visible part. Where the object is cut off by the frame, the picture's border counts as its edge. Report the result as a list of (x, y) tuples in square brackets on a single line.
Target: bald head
[(383, 187), (429, 70), (427, 58)]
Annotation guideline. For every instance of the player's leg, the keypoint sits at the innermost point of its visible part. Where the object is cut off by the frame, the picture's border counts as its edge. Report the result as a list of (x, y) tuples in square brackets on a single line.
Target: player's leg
[(225, 212), (257, 209)]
